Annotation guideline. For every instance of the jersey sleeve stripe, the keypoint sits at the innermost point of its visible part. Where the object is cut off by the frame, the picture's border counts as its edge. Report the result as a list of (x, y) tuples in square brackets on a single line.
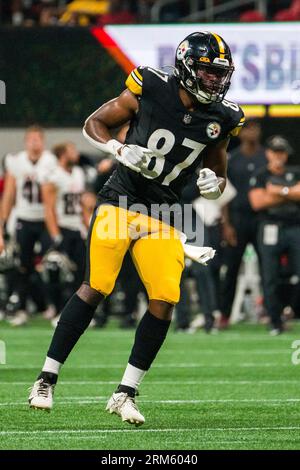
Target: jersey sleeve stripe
[(235, 132), (133, 85), (241, 122), (138, 80), (138, 74)]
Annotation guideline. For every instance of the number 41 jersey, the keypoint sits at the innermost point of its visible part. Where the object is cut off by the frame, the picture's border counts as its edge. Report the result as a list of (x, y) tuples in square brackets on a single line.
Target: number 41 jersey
[(176, 136), (29, 205)]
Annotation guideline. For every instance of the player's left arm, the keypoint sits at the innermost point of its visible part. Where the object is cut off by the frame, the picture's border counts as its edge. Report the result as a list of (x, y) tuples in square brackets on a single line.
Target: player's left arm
[(216, 160), (212, 178)]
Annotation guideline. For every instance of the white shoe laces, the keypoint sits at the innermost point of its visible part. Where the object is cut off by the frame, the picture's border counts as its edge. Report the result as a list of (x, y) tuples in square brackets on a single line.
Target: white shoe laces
[(126, 399), (43, 389)]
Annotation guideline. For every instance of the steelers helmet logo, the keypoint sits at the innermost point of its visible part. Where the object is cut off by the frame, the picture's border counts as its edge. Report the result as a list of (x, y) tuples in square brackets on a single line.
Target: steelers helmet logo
[(182, 48), (213, 130)]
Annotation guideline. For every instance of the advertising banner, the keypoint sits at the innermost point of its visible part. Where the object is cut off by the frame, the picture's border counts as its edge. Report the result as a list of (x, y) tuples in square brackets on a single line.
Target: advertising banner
[(266, 55)]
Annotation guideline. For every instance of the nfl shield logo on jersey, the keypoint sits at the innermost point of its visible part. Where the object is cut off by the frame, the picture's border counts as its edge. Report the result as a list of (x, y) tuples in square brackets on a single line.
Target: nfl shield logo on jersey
[(213, 130), (187, 119)]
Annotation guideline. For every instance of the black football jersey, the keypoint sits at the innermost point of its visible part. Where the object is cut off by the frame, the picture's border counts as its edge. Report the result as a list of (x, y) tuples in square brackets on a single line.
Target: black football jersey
[(176, 136)]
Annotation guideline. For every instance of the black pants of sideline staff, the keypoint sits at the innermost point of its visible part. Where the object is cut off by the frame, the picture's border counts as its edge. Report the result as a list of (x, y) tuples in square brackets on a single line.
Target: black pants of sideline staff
[(288, 243), (29, 282), (73, 246), (246, 226)]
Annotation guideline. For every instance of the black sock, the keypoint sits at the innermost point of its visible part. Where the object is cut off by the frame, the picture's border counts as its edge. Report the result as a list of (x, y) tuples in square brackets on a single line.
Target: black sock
[(131, 392), (74, 320), (149, 337), (48, 377)]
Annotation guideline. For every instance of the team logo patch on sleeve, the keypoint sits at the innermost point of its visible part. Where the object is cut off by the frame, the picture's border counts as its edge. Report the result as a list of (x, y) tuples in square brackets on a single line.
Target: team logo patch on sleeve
[(213, 130)]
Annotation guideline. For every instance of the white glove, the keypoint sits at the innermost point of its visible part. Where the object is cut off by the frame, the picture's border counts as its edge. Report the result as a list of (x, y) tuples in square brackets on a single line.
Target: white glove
[(199, 254), (208, 184), (132, 156)]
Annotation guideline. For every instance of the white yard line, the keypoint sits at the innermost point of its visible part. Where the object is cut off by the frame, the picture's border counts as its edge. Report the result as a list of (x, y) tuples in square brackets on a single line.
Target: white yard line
[(170, 430), (95, 400), (168, 382)]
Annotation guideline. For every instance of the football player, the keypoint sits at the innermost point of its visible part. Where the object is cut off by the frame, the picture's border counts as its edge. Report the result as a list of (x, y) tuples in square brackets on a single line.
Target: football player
[(22, 190), (62, 194), (177, 122)]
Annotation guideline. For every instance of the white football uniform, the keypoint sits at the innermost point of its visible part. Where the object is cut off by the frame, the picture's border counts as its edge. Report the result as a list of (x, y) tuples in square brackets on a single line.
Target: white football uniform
[(28, 177), (69, 186)]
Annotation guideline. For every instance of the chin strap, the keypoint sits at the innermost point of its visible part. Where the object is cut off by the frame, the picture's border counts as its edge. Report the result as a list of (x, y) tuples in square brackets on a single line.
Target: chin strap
[(203, 100), (200, 98)]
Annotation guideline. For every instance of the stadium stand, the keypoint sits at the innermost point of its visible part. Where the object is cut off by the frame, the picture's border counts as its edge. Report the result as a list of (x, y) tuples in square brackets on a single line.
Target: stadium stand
[(83, 13)]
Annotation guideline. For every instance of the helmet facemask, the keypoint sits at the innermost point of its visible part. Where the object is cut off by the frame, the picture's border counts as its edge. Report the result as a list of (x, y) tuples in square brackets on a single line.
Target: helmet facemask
[(207, 82)]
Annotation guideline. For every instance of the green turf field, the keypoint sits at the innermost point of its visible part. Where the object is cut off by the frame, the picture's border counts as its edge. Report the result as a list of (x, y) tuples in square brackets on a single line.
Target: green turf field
[(236, 390)]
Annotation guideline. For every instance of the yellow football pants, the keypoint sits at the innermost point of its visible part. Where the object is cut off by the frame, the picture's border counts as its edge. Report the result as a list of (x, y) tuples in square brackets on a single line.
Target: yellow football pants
[(155, 248)]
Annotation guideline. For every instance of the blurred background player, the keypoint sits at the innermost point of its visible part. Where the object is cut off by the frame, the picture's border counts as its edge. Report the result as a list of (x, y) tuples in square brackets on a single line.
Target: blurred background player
[(204, 282), (275, 196), (240, 222), (65, 214), (22, 191)]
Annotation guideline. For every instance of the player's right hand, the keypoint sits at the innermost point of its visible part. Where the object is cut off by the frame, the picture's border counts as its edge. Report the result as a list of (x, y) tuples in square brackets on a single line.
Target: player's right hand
[(132, 156)]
